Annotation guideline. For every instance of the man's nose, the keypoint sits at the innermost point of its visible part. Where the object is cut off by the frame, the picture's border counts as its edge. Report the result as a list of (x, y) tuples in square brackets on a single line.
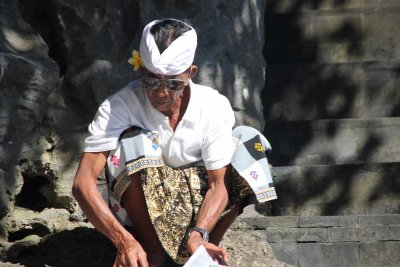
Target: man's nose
[(162, 89)]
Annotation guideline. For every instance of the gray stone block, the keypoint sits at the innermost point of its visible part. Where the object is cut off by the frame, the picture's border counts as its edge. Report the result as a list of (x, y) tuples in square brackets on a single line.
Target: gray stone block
[(373, 233), (286, 252), (297, 235), (240, 224), (283, 221), (377, 134), (314, 235), (327, 221), (382, 24), (289, 6), (328, 255), (338, 189), (383, 219), (343, 234), (272, 221), (283, 234), (394, 232), (382, 208), (379, 254)]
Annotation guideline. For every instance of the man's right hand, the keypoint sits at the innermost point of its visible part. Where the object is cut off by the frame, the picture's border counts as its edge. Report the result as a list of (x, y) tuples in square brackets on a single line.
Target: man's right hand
[(130, 254), (85, 191)]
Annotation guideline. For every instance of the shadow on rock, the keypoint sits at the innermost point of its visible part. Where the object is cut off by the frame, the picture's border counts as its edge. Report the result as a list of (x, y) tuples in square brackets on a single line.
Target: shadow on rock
[(79, 247)]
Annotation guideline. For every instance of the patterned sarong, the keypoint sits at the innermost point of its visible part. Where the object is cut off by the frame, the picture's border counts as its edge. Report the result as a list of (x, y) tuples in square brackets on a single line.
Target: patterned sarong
[(173, 195)]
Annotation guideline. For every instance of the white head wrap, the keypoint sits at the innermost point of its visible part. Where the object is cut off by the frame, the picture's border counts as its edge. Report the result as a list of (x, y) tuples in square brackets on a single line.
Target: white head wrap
[(175, 59)]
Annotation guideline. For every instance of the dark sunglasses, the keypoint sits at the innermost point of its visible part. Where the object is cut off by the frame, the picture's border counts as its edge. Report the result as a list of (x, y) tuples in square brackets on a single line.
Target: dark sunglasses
[(154, 83)]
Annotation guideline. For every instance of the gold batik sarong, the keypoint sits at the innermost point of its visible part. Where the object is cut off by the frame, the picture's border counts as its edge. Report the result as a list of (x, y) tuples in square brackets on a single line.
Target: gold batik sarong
[(173, 198)]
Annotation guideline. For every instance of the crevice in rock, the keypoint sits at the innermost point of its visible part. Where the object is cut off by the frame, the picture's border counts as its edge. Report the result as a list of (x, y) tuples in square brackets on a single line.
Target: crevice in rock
[(43, 17), (31, 196), (37, 229)]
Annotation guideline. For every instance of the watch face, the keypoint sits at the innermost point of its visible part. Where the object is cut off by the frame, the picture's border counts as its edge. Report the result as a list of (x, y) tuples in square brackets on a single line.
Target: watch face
[(205, 236)]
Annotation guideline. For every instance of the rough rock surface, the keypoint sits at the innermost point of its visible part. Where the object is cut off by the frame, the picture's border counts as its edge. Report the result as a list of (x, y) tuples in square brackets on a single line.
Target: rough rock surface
[(84, 246)]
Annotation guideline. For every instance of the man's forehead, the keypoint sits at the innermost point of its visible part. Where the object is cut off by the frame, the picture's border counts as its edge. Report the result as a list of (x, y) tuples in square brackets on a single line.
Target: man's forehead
[(148, 73)]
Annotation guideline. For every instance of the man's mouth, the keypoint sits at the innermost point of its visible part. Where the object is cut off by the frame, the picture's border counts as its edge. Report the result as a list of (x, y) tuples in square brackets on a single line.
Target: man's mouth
[(161, 102)]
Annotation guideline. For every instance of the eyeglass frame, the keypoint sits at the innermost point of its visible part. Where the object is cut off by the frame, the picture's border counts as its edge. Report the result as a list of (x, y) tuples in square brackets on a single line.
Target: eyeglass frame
[(160, 82)]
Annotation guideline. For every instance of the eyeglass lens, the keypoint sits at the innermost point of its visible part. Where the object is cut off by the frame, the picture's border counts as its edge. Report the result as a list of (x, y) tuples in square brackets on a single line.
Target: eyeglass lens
[(154, 83)]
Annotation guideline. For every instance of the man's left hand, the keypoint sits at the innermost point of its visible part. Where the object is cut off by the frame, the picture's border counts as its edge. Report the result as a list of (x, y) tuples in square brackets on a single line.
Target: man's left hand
[(217, 253)]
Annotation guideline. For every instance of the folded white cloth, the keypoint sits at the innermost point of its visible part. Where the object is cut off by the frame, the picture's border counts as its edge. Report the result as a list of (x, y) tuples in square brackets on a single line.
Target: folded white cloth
[(250, 161)]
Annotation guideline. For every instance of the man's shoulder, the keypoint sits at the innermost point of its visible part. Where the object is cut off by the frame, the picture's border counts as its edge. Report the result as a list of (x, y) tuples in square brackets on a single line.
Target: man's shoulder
[(211, 101), (130, 88), (129, 91), (207, 92)]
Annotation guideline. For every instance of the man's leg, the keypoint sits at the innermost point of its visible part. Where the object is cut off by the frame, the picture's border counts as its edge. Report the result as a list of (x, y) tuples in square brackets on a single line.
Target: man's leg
[(134, 202), (239, 188)]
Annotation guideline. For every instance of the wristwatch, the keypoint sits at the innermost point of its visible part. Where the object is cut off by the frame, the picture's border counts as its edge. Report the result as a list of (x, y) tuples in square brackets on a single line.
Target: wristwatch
[(202, 231)]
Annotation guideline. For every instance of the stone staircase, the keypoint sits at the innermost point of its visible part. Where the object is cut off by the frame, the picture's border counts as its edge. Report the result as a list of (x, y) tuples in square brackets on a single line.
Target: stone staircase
[(332, 111), (348, 240)]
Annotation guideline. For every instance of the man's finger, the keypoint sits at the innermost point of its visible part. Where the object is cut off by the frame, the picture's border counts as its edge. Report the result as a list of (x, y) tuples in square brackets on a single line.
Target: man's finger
[(143, 261), (224, 254)]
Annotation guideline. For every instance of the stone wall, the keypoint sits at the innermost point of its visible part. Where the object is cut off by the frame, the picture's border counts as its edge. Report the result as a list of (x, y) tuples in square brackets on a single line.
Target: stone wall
[(331, 105)]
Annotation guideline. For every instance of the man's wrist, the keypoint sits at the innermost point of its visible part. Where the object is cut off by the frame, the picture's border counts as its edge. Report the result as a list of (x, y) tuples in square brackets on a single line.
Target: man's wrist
[(199, 232), (194, 241)]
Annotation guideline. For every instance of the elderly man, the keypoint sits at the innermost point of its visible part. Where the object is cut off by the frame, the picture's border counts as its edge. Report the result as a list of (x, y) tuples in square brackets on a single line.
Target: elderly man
[(166, 146)]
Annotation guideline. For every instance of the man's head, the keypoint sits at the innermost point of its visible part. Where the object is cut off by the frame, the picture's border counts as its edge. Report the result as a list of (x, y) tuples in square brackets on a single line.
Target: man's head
[(167, 51), (168, 46)]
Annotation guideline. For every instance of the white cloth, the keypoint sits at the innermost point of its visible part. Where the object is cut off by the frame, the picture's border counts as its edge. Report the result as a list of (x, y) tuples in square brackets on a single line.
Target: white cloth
[(175, 59), (201, 258), (250, 161), (203, 134)]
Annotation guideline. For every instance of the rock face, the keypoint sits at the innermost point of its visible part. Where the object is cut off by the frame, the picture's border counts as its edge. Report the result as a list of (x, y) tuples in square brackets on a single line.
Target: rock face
[(27, 78), (59, 59)]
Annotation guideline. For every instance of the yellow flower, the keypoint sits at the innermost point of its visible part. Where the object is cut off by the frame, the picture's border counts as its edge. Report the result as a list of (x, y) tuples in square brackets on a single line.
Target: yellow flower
[(259, 147), (135, 60)]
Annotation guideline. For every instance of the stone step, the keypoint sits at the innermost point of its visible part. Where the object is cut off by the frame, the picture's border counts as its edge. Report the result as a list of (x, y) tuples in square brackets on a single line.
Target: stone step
[(343, 50), (332, 36), (325, 142), (332, 91), (290, 6), (335, 190), (353, 240)]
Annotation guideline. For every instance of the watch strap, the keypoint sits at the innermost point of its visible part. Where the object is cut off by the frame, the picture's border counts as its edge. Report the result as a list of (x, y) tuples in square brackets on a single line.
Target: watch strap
[(203, 232)]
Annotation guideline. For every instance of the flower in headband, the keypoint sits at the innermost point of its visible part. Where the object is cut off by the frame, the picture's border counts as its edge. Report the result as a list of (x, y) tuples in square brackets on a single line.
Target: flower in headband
[(135, 60)]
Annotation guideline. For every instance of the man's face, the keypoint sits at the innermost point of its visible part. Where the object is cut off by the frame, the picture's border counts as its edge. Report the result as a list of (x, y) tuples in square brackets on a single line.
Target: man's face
[(164, 90)]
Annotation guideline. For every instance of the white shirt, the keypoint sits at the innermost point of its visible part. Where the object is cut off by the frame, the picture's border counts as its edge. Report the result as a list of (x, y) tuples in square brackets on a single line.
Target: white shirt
[(203, 134)]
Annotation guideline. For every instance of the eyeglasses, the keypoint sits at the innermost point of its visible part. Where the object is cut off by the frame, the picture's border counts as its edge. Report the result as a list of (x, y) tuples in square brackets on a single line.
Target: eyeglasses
[(154, 83)]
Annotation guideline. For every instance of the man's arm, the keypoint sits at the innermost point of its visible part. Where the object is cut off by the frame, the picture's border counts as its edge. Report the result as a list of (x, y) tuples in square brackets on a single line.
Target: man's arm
[(210, 211), (98, 213)]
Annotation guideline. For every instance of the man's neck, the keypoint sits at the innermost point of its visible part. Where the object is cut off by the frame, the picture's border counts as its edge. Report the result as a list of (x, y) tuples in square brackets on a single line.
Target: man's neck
[(178, 109)]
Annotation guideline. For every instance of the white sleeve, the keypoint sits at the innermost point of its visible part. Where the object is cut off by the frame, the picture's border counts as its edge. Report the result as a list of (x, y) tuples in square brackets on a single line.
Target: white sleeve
[(111, 119), (217, 146)]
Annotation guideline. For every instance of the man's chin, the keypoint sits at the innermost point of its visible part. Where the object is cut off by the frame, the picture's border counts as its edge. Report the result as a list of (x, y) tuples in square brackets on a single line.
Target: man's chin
[(161, 107)]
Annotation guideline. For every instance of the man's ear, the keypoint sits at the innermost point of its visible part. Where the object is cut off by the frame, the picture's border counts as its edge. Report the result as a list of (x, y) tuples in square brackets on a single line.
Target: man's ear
[(193, 70), (143, 70)]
